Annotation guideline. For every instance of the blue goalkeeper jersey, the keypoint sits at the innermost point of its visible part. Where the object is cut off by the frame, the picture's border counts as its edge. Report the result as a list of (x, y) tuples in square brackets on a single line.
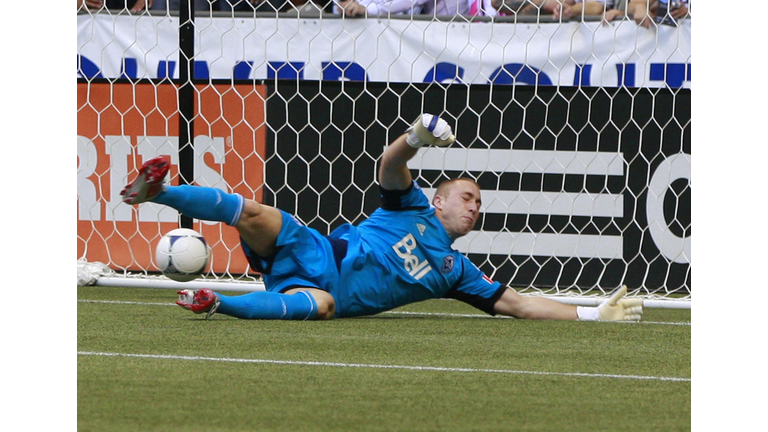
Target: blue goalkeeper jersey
[(401, 255)]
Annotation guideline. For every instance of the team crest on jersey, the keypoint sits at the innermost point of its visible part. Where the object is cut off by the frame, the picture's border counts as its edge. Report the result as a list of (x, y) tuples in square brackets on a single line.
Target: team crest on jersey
[(447, 265)]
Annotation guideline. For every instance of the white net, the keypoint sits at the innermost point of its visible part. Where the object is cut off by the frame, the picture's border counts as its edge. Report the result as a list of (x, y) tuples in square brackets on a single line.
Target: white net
[(577, 131)]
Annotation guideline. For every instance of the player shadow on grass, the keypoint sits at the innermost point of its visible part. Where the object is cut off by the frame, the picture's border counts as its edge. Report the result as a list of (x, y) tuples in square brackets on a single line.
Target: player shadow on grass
[(383, 316)]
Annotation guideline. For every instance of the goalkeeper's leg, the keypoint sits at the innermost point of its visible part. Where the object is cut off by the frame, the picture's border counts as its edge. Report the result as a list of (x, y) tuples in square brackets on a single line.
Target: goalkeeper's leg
[(302, 304), (269, 305), (203, 203), (258, 224), (197, 202), (295, 304)]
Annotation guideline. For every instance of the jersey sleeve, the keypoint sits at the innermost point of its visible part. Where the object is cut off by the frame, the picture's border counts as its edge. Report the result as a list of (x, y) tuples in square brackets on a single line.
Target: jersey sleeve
[(408, 199), (476, 289)]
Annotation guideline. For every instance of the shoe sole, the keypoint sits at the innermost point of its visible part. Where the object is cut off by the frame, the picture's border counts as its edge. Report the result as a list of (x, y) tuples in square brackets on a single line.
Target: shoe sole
[(151, 174)]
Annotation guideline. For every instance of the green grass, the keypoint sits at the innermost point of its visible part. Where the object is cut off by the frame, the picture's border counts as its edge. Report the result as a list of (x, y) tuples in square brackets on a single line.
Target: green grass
[(486, 374)]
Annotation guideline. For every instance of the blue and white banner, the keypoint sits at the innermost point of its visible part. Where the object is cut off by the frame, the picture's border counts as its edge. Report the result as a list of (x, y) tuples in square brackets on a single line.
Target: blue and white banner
[(575, 53)]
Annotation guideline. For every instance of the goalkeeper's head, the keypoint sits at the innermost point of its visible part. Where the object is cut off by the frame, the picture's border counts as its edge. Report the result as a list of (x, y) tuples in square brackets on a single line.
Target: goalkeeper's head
[(457, 205)]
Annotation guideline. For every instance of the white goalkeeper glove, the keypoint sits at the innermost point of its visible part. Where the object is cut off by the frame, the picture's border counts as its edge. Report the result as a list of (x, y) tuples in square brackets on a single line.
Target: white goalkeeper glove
[(429, 129), (616, 308)]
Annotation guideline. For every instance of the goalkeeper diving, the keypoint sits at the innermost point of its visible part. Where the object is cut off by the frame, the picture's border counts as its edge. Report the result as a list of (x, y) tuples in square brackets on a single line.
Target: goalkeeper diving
[(400, 255)]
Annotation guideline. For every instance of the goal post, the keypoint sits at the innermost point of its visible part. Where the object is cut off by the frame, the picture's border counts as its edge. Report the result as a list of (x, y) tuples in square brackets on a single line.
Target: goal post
[(578, 134)]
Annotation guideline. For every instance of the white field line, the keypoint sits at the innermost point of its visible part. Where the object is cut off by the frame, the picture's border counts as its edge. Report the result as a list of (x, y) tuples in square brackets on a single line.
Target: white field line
[(379, 366), (454, 315)]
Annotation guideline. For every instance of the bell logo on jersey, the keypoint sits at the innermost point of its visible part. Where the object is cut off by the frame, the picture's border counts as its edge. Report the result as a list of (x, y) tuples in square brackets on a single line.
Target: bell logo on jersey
[(415, 267)]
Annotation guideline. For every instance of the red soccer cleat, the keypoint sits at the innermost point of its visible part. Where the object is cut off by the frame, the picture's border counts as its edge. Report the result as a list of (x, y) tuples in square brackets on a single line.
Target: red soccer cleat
[(199, 301), (148, 184)]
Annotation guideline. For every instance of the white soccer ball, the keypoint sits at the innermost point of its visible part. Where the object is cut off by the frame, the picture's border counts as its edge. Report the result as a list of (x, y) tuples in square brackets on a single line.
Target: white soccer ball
[(182, 254)]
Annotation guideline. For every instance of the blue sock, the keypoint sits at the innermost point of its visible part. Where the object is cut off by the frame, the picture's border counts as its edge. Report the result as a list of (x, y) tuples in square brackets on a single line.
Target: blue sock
[(204, 203), (269, 305)]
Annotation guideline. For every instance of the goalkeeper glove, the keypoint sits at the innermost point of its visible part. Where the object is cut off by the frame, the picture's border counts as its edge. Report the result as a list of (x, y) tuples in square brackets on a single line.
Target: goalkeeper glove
[(429, 129), (616, 308)]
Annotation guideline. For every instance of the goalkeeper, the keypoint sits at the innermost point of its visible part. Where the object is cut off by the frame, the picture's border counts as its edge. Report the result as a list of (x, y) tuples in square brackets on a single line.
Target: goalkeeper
[(402, 254)]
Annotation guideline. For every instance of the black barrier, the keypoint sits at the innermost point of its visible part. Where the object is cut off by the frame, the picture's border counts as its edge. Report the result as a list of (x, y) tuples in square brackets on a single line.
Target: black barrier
[(186, 99), (325, 139)]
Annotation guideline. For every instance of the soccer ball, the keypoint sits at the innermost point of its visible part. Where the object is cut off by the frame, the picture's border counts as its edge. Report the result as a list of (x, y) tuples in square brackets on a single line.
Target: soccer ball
[(182, 254)]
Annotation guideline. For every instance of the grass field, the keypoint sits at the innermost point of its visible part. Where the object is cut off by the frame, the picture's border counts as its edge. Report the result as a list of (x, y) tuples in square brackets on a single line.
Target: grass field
[(144, 364)]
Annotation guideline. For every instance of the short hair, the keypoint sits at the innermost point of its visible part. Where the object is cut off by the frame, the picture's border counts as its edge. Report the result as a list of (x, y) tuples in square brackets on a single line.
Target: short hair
[(444, 188)]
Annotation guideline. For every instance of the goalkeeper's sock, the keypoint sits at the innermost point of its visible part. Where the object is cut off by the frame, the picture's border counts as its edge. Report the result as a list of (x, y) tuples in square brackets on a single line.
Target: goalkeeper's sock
[(269, 305), (204, 203)]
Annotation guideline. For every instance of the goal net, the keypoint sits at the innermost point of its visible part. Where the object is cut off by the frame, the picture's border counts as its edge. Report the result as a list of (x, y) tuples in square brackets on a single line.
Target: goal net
[(578, 132)]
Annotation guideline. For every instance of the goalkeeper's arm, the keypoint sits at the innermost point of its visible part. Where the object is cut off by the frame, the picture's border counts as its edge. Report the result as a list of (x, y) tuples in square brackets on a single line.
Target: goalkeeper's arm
[(615, 308), (427, 130)]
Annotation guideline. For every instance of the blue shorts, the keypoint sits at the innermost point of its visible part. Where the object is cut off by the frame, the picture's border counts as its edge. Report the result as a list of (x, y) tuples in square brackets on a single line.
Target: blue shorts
[(303, 258)]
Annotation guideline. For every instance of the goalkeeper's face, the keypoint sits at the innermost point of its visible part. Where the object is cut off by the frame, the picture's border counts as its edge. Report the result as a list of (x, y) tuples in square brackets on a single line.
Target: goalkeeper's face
[(458, 207)]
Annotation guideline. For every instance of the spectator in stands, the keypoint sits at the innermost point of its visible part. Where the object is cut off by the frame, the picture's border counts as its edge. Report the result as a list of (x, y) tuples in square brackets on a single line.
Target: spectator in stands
[(587, 8), (482, 8), (558, 9), (644, 11), (566, 9), (382, 7), (165, 5), (446, 7), (555, 8), (118, 5), (90, 4), (619, 10), (519, 7), (259, 5)]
